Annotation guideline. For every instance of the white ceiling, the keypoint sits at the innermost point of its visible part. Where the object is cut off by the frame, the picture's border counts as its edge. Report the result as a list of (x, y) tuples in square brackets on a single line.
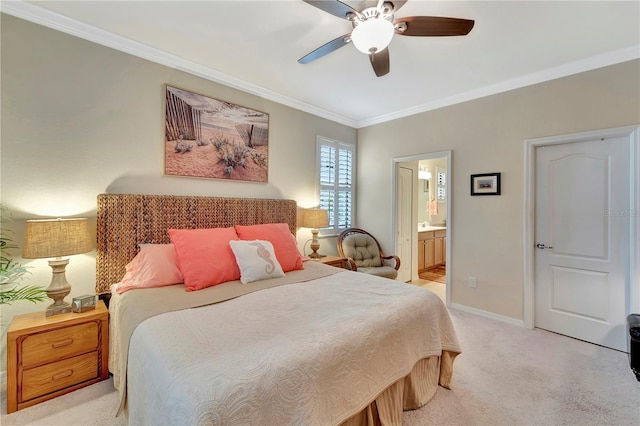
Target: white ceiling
[(254, 46)]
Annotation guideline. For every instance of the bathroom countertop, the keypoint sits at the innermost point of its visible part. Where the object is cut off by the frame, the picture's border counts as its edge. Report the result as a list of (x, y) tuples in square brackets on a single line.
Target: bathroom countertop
[(430, 228)]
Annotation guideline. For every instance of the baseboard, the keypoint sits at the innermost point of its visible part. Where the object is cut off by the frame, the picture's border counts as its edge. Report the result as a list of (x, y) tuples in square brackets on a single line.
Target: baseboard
[(486, 314)]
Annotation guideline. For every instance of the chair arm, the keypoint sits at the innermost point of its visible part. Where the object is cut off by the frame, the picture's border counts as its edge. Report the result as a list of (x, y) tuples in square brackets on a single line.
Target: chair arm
[(352, 264), (396, 259)]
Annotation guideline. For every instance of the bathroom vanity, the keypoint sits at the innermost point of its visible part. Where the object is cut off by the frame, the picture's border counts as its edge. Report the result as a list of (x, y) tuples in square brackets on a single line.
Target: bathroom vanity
[(432, 247)]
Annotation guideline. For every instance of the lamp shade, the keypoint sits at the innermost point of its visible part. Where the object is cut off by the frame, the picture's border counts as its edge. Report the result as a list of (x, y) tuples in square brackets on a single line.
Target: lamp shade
[(372, 35), (56, 238), (315, 218)]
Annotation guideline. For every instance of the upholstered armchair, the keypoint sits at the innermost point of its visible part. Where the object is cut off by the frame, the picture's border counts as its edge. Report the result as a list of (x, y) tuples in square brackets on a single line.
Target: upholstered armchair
[(365, 255)]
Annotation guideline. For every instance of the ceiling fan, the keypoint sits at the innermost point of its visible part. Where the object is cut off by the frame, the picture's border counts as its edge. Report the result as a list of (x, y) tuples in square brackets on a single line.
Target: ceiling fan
[(374, 27)]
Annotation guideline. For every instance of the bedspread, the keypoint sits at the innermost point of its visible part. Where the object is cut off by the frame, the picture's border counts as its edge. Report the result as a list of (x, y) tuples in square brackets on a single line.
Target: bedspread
[(128, 310), (316, 352)]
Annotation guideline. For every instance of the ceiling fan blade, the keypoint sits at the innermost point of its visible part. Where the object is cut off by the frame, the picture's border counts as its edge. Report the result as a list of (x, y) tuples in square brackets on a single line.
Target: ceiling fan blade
[(380, 62), (326, 48), (433, 26), (334, 7)]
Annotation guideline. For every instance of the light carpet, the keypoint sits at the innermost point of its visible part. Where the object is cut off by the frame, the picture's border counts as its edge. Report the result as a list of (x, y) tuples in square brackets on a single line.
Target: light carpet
[(436, 287), (506, 375)]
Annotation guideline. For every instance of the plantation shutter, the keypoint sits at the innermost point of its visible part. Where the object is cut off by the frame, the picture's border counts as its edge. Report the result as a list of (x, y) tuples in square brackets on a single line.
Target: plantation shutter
[(441, 180), (336, 173)]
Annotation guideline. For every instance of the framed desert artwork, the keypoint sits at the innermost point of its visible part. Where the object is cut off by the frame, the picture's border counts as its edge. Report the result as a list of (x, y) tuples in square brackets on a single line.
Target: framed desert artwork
[(211, 138)]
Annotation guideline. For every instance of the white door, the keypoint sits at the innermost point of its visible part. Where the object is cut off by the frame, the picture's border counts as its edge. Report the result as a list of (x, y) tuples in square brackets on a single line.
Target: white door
[(404, 227), (582, 255)]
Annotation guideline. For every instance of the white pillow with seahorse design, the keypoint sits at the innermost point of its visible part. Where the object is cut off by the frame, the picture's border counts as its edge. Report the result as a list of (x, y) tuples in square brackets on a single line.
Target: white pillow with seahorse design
[(256, 260)]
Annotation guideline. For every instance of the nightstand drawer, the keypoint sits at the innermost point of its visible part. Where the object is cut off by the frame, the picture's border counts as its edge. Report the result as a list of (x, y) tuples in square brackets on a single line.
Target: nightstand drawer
[(57, 344), (48, 378)]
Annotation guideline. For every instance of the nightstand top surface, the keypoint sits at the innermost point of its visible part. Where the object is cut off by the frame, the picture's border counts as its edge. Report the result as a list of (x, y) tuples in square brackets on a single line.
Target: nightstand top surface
[(329, 258), (38, 320)]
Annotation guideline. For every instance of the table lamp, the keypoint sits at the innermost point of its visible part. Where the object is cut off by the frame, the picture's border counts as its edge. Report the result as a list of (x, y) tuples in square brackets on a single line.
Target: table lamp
[(56, 238), (315, 218)]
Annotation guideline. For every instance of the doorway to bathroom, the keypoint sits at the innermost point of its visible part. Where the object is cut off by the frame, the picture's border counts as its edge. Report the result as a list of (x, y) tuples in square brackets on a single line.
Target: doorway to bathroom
[(422, 200)]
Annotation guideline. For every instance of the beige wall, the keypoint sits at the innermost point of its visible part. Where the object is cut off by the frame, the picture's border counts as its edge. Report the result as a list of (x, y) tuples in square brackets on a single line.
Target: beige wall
[(487, 135), (79, 119)]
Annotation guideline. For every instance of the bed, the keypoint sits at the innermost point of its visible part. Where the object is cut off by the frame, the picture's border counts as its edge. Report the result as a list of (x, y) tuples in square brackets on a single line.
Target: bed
[(317, 345)]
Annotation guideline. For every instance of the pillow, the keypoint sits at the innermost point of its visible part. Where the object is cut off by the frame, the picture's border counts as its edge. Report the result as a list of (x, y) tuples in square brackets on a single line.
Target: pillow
[(204, 256), (278, 234), (154, 266), (256, 260)]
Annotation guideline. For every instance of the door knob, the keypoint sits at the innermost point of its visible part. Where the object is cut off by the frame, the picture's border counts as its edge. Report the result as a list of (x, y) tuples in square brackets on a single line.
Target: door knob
[(542, 246)]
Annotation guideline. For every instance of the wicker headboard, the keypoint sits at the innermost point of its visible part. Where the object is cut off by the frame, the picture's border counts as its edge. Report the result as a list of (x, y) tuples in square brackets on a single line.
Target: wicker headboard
[(124, 221)]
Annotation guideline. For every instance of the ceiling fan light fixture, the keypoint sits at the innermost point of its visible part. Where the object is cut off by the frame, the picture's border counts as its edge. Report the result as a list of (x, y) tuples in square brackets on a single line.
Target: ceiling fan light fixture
[(372, 35)]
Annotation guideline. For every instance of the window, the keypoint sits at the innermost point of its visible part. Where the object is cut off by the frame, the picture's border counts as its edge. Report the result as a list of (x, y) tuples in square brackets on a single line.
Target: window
[(335, 182)]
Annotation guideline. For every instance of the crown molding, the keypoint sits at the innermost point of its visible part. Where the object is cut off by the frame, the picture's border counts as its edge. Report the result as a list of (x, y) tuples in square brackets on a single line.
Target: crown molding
[(594, 62), (84, 31)]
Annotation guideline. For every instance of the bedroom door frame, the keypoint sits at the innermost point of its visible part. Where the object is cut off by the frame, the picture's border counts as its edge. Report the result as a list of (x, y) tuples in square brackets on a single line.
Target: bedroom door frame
[(414, 235), (633, 134)]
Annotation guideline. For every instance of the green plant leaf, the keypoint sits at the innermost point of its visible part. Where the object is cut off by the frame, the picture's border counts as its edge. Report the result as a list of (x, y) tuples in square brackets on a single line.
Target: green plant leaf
[(31, 293), (12, 272)]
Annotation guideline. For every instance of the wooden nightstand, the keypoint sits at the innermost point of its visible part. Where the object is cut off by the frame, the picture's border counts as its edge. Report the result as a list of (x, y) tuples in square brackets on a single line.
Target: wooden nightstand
[(337, 261), (50, 356)]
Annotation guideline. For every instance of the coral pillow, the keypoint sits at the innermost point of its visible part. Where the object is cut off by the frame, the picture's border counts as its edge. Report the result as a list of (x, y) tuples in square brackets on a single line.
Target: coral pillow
[(256, 260), (278, 234), (204, 256), (154, 266)]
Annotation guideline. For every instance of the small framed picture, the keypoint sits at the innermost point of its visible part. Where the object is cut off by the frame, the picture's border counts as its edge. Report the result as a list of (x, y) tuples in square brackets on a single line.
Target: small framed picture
[(485, 184)]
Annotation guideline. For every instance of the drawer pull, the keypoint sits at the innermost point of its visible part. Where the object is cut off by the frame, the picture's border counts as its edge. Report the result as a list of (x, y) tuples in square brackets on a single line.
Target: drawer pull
[(62, 375), (62, 343)]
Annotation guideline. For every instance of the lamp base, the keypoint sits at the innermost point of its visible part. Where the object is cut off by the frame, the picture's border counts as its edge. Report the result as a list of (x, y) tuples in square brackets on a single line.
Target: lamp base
[(315, 245), (58, 288), (54, 309)]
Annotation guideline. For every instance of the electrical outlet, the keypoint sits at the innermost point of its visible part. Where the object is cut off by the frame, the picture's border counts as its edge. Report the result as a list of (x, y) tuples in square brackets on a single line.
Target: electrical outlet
[(473, 281)]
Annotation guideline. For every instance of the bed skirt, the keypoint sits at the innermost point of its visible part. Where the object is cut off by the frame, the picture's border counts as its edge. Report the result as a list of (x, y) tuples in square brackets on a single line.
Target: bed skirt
[(409, 393)]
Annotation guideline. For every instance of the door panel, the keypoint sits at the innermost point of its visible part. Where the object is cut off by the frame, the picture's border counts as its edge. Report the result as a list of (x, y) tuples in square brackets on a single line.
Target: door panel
[(429, 254), (421, 255), (404, 210), (583, 252), (584, 178), (567, 282)]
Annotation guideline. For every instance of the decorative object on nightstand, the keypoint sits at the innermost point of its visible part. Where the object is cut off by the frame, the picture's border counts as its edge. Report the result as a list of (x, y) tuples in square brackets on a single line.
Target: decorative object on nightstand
[(84, 303), (57, 238), (51, 356), (315, 219)]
